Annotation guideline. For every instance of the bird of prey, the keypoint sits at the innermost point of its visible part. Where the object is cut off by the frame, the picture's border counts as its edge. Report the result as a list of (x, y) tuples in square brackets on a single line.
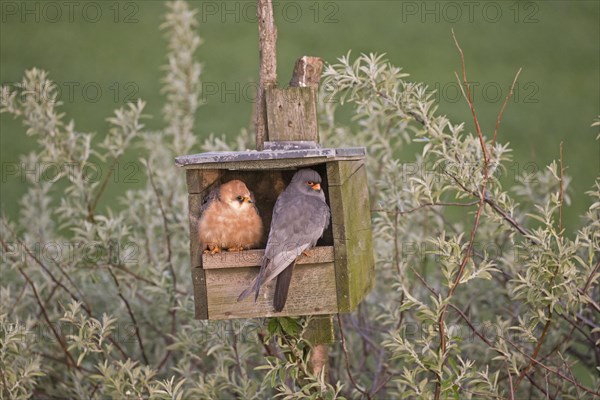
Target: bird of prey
[(300, 217), (229, 219)]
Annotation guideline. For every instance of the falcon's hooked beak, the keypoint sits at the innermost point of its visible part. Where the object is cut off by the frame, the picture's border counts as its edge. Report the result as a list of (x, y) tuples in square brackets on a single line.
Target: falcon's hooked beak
[(316, 186)]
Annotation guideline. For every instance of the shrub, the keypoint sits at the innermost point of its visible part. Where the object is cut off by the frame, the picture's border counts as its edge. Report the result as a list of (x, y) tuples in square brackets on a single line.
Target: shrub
[(480, 292)]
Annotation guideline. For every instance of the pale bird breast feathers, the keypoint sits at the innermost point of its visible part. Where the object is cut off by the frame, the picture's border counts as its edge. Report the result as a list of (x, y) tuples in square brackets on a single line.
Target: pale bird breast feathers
[(229, 218)]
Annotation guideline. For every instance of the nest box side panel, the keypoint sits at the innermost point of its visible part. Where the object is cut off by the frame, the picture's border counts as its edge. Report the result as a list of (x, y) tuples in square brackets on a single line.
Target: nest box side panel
[(199, 184), (200, 295), (351, 219)]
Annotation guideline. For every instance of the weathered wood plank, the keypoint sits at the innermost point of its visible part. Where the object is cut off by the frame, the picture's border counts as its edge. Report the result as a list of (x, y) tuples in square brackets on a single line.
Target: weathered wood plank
[(208, 178), (261, 165), (196, 160), (200, 298), (203, 183), (194, 203), (344, 171), (351, 223), (320, 330), (252, 258), (292, 114), (312, 291), (359, 242), (193, 180), (307, 72)]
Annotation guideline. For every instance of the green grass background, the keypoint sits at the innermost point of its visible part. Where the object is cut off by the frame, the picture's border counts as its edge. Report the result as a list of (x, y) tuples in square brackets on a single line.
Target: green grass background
[(556, 42)]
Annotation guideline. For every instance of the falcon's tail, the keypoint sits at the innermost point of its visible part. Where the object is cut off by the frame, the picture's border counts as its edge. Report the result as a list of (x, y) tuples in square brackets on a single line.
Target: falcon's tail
[(247, 292), (282, 287), (256, 283)]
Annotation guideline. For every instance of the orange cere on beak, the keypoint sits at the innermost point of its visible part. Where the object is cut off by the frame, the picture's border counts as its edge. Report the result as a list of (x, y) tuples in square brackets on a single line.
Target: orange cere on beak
[(316, 186)]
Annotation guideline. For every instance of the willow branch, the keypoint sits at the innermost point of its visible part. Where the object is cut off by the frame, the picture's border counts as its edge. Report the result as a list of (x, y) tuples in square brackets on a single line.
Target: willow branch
[(70, 361), (347, 357), (131, 316), (425, 205)]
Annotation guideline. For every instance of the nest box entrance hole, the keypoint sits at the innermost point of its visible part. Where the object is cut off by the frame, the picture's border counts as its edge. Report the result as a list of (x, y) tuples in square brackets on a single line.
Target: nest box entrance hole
[(266, 186)]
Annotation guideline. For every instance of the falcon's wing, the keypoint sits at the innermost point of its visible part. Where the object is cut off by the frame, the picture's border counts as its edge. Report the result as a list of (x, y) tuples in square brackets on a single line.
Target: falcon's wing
[(254, 203), (212, 196), (298, 222)]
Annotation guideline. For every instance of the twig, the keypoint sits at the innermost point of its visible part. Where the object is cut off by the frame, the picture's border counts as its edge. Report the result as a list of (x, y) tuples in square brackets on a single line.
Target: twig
[(512, 344), (590, 278), (381, 368), (424, 205), (18, 298), (83, 303), (396, 246), (52, 291), (503, 213), (470, 101), (489, 201), (94, 203), (536, 351), (70, 361), (173, 310), (508, 96), (545, 367), (482, 201), (570, 372), (238, 362), (268, 350), (463, 264), (591, 341), (473, 328), (510, 382), (139, 277), (41, 264), (60, 360), (131, 316), (560, 228), (561, 192), (165, 226), (345, 349)]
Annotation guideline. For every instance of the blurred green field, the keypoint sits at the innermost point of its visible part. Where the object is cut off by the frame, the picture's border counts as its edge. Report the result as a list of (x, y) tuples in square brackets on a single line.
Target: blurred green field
[(103, 54)]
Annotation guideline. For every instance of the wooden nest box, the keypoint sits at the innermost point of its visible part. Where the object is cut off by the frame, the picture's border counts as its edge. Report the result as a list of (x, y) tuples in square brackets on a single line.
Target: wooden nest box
[(339, 271)]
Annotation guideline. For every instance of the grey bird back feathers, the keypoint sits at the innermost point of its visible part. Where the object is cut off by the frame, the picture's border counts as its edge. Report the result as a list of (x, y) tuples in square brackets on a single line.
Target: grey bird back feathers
[(300, 216)]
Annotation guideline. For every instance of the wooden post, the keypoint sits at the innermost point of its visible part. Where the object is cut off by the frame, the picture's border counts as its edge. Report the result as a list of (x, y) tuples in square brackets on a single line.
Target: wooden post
[(267, 35), (307, 73), (300, 124)]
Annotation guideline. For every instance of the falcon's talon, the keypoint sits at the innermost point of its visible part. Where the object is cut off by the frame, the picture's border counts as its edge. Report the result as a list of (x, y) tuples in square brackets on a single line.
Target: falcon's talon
[(235, 249), (215, 250)]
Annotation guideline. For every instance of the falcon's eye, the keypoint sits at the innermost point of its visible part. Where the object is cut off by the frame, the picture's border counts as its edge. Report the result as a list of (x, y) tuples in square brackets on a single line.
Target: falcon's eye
[(239, 198), (310, 183)]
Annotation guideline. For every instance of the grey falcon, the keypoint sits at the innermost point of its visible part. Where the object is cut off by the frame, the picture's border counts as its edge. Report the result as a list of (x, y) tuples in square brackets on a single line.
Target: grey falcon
[(300, 216)]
